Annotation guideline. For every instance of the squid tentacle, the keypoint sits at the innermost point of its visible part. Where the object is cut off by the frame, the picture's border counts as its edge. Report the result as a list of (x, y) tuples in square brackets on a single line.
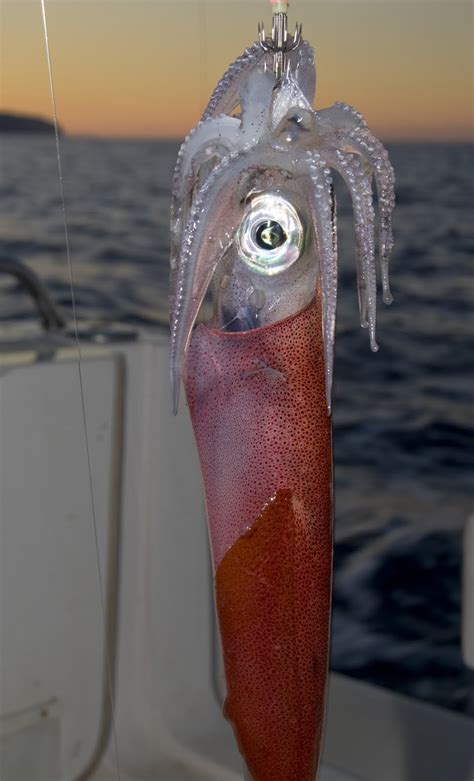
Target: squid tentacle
[(351, 113), (225, 97), (340, 116), (289, 93), (359, 185), (366, 145), (320, 201), (345, 128), (206, 132), (256, 101), (185, 304), (298, 88), (302, 65), (222, 130)]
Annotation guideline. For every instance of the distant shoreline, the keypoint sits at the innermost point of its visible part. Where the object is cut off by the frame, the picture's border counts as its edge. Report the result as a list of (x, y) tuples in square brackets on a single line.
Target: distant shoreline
[(25, 124), (12, 123)]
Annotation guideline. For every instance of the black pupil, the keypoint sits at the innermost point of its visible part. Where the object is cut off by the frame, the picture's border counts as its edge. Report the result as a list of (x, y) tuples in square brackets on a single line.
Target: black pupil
[(270, 235)]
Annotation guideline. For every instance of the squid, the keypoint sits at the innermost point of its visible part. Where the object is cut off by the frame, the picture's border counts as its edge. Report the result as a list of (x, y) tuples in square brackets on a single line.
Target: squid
[(254, 248)]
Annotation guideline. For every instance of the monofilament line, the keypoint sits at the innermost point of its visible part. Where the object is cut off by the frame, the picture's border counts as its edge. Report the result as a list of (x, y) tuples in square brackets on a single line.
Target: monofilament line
[(81, 384)]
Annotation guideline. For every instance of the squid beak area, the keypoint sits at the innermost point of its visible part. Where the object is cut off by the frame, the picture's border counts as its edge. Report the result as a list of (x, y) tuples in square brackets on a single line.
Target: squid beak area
[(258, 407), (244, 319)]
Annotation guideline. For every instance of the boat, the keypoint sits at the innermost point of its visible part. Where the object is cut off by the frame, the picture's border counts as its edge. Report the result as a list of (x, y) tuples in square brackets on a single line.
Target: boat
[(110, 662)]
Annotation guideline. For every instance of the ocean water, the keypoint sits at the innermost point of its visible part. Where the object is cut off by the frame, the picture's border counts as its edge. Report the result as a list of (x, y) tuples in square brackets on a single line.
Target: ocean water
[(402, 422)]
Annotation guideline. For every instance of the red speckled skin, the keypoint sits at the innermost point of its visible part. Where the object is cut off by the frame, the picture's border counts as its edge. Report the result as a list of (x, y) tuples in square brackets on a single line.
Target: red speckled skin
[(258, 407)]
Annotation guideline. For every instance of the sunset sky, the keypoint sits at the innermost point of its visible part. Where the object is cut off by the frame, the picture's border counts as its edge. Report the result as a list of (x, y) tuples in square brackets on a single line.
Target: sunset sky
[(146, 67)]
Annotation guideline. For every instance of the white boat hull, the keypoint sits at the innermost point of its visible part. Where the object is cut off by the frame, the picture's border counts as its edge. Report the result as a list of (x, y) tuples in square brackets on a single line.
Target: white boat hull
[(154, 625)]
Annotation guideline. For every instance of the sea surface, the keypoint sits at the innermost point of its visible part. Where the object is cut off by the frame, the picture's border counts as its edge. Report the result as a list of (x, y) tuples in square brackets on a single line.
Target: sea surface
[(402, 417)]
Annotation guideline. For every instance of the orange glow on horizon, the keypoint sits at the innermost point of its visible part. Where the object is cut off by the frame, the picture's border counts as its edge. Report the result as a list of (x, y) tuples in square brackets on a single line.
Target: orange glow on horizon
[(146, 68)]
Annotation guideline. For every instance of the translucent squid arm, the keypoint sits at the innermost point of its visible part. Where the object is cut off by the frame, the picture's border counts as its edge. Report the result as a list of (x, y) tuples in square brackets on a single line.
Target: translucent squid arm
[(289, 94), (360, 188), (345, 128), (340, 116), (302, 66), (319, 196), (225, 97), (213, 137), (363, 143), (256, 101)]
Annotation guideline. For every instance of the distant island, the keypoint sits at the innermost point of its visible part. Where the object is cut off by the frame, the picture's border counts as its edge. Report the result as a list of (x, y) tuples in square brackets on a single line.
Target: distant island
[(21, 123)]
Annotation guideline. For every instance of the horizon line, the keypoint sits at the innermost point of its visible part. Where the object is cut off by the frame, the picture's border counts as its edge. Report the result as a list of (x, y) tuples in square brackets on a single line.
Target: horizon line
[(179, 138), (464, 137)]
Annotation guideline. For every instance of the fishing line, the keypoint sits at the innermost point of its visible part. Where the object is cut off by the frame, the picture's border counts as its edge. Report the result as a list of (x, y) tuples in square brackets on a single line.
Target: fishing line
[(81, 384), (202, 44)]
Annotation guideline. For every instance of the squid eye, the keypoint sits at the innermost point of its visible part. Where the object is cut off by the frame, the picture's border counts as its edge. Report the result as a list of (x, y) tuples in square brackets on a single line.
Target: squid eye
[(270, 236)]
